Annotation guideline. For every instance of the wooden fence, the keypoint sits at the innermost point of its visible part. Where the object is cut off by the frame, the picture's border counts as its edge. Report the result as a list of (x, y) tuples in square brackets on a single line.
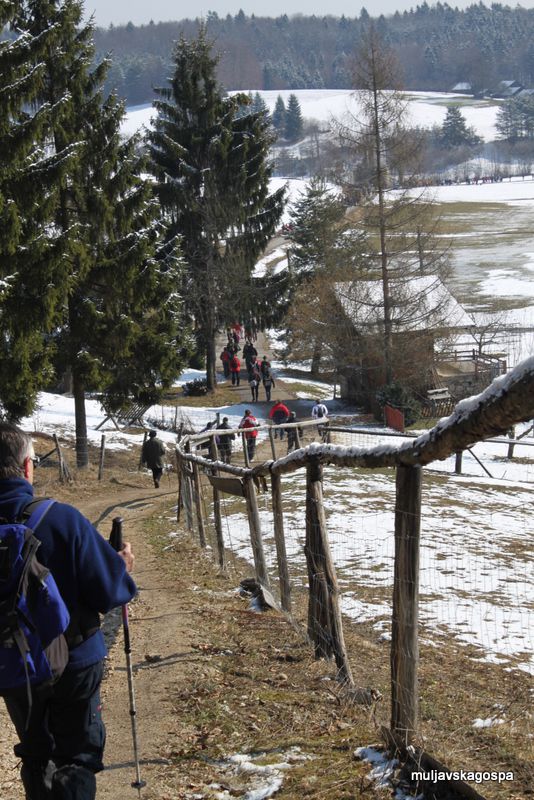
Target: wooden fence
[(509, 400)]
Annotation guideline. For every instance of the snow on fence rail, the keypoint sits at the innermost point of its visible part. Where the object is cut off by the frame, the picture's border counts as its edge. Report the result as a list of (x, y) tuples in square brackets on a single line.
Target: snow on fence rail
[(507, 401)]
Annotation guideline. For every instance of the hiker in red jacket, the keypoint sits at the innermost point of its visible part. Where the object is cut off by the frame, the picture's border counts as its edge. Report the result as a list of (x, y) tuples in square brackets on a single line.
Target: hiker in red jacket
[(279, 414), (249, 423), (235, 370), (226, 357)]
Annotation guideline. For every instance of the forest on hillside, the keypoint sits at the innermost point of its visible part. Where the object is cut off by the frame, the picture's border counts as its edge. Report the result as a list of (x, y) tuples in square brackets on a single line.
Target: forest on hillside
[(437, 47)]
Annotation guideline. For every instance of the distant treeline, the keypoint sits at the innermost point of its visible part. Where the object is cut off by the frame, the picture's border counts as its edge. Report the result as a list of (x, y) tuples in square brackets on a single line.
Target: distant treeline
[(437, 47)]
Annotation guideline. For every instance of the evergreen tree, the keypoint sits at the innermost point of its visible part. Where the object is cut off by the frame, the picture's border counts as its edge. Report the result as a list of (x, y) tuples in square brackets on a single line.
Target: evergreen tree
[(259, 106), (515, 119), (325, 249), (32, 265), (455, 132), (278, 118), (212, 174), (321, 239), (294, 122), (119, 332)]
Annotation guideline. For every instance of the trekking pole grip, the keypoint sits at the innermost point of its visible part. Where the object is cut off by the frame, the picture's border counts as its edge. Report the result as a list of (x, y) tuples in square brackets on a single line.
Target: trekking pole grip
[(115, 537)]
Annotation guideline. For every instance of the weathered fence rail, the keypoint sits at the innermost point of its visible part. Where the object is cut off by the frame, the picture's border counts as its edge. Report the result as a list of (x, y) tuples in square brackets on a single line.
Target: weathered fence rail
[(508, 401)]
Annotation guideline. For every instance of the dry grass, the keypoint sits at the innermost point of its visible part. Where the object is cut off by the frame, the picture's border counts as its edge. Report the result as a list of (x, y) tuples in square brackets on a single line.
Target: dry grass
[(261, 690)]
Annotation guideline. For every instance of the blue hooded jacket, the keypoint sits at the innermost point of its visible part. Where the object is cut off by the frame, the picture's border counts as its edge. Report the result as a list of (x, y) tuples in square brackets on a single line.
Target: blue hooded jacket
[(90, 575)]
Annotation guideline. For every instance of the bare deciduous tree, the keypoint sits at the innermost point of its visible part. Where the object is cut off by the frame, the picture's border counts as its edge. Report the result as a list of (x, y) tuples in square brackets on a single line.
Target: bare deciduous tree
[(399, 218)]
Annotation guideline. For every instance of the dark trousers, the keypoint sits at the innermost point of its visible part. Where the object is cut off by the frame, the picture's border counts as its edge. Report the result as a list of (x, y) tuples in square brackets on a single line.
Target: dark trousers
[(225, 452), (157, 472), (235, 378), (63, 746), (251, 448)]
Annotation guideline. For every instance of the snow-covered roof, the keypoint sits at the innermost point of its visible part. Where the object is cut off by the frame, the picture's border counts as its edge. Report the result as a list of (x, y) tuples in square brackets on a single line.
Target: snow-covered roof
[(462, 87), (418, 304)]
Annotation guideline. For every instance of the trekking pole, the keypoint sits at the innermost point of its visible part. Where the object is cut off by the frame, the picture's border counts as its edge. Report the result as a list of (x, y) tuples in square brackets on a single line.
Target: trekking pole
[(115, 541)]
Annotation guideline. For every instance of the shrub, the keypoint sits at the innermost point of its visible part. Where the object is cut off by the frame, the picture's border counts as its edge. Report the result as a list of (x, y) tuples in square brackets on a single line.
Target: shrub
[(195, 388)]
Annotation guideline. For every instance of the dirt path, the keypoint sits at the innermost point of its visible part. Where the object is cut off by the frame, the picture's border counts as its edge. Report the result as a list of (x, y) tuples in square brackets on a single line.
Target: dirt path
[(159, 625)]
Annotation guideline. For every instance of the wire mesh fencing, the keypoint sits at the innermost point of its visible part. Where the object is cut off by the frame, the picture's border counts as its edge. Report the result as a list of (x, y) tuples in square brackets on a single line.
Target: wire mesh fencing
[(416, 583)]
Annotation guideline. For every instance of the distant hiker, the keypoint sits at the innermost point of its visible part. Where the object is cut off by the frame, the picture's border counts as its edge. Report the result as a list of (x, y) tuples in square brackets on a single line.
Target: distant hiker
[(268, 385), (279, 414), (225, 442), (237, 330), (292, 438), (225, 358), (59, 725), (265, 366), (152, 455), (249, 423), (249, 354), (235, 370), (254, 379), (207, 444), (319, 410)]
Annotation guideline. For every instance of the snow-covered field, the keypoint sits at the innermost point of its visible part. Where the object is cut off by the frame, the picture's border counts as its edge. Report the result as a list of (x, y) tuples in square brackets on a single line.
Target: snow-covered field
[(426, 108), (477, 577)]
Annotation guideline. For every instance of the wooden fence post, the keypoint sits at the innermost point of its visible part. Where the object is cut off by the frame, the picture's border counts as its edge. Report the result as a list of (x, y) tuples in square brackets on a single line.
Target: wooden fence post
[(324, 613), (281, 555), (511, 435), (245, 449), (217, 509), (102, 455), (198, 505), (458, 463), (404, 634), (255, 532), (180, 498), (64, 471), (188, 490), (273, 446)]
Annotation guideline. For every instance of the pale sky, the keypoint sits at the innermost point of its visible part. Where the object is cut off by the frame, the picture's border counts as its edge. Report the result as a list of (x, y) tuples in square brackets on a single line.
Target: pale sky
[(142, 11)]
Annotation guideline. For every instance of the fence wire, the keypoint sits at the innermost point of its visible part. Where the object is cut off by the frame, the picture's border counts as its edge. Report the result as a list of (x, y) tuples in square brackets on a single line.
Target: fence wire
[(476, 583)]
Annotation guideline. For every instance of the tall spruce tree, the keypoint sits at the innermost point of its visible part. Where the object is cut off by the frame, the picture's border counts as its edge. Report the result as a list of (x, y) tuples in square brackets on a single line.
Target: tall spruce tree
[(120, 333), (294, 123), (32, 267), (278, 118), (212, 174), (455, 131), (325, 248)]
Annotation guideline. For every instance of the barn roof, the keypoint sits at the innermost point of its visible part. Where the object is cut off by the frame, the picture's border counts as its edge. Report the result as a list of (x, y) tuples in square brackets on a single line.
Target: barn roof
[(418, 304)]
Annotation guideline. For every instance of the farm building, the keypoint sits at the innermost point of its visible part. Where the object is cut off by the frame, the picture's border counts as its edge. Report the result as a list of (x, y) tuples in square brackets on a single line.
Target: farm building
[(427, 320)]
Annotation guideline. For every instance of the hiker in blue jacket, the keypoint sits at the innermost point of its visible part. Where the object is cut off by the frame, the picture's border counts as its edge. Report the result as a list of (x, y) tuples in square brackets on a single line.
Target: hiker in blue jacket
[(62, 741)]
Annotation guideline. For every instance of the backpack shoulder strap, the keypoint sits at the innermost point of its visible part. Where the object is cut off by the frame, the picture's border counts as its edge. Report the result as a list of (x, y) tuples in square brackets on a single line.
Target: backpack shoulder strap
[(36, 510)]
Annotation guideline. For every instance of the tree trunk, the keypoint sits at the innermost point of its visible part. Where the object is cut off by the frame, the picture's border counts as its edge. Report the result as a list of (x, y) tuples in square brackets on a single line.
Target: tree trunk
[(211, 361), (381, 187), (316, 359), (78, 390)]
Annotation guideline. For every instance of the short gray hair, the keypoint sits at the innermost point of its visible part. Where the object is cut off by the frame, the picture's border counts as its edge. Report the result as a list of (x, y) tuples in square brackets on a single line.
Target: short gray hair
[(15, 447)]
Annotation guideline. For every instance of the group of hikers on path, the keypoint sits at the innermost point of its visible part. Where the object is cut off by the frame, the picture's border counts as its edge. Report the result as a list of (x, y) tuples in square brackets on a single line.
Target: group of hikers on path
[(258, 372), (279, 415)]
